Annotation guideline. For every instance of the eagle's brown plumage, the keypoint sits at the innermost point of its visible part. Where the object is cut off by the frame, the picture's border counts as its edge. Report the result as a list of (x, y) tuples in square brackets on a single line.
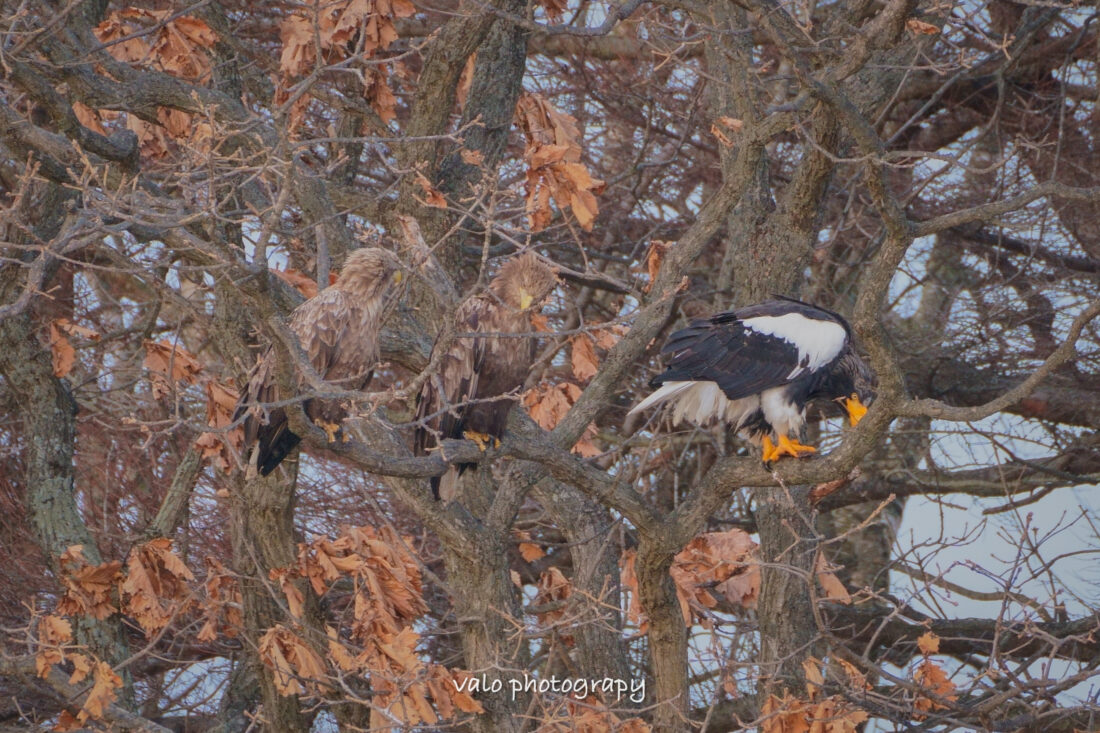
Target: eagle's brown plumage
[(338, 330), (462, 397)]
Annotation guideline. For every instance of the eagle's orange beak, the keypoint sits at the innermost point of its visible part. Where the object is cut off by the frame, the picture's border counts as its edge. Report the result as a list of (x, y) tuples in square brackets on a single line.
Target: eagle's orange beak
[(398, 277), (525, 300), (856, 409)]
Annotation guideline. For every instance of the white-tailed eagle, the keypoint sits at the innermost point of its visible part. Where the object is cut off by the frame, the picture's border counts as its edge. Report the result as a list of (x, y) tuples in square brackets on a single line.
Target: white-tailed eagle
[(479, 376), (756, 369), (338, 330)]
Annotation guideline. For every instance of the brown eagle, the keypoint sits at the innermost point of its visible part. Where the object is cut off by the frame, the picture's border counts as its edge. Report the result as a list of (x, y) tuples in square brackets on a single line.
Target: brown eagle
[(479, 375), (338, 330)]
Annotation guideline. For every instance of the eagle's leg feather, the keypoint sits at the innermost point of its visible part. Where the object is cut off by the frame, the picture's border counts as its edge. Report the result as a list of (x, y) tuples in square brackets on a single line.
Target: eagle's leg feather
[(331, 429), (483, 440)]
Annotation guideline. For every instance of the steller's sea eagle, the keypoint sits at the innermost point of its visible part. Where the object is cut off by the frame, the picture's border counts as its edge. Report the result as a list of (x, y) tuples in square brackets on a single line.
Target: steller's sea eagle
[(756, 368), (338, 330), (478, 377)]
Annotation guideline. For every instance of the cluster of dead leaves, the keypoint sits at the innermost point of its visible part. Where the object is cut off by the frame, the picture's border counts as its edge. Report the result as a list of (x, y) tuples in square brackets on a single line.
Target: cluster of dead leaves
[(151, 592), (590, 716), (548, 403), (169, 364), (61, 349), (154, 39), (222, 605), (816, 713), (931, 677), (89, 589), (221, 403), (333, 31), (554, 170), (387, 600), (726, 563), (55, 645), (155, 589)]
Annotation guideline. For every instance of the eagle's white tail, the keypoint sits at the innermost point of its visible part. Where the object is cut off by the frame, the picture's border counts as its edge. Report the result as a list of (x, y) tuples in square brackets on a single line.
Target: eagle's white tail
[(665, 393)]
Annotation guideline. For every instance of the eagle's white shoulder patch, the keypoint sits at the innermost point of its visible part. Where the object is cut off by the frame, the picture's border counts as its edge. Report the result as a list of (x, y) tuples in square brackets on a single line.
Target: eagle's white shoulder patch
[(818, 342)]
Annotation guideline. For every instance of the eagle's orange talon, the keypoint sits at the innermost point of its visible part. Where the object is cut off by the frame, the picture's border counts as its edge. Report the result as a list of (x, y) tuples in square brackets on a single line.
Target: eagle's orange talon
[(483, 440), (330, 428), (788, 447)]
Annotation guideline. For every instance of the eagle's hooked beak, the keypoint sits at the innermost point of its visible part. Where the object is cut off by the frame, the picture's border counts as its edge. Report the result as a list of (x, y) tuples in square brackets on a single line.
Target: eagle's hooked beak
[(525, 299), (856, 409), (398, 276)]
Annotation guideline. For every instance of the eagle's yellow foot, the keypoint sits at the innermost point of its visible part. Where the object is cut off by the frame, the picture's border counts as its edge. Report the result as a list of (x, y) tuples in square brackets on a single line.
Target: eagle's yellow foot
[(767, 448), (786, 447), (483, 440), (330, 428), (856, 409)]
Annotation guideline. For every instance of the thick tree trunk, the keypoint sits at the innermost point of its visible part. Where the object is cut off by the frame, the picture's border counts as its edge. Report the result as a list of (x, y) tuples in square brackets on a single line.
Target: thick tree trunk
[(262, 532), (489, 622), (667, 635), (788, 547)]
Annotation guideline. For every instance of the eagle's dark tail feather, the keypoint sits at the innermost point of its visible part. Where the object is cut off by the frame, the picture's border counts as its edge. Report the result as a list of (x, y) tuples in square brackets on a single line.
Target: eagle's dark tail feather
[(273, 451)]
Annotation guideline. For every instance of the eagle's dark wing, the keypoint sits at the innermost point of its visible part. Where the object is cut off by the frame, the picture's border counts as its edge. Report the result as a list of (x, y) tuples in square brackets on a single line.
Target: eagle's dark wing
[(340, 337), (724, 351)]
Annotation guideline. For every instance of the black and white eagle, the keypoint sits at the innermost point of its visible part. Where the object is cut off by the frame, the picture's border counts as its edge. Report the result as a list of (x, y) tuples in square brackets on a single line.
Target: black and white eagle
[(757, 368)]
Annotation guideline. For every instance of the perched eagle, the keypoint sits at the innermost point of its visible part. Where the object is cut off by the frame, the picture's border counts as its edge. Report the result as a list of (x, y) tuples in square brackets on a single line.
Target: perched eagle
[(479, 375), (338, 330), (756, 368)]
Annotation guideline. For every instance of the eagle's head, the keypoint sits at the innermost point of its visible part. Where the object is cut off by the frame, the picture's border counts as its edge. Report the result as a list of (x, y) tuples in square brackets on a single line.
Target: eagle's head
[(524, 282), (854, 384), (368, 272)]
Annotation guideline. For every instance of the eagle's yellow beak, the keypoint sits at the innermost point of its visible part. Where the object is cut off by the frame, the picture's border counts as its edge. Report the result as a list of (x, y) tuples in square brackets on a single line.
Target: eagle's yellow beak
[(525, 299), (856, 409), (398, 277)]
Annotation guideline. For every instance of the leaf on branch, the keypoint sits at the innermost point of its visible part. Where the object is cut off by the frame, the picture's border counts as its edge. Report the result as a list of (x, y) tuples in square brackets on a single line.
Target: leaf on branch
[(221, 403), (88, 588), (61, 349), (653, 259), (725, 561), (297, 668), (105, 682), (223, 599), (434, 198), (932, 678), (547, 404), (155, 588), (339, 653), (464, 83), (590, 715), (788, 714), (472, 157), (928, 643), (54, 632), (584, 361), (724, 125), (169, 363), (628, 577), (301, 282), (295, 601), (919, 27), (527, 549), (553, 586), (834, 589), (554, 170)]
